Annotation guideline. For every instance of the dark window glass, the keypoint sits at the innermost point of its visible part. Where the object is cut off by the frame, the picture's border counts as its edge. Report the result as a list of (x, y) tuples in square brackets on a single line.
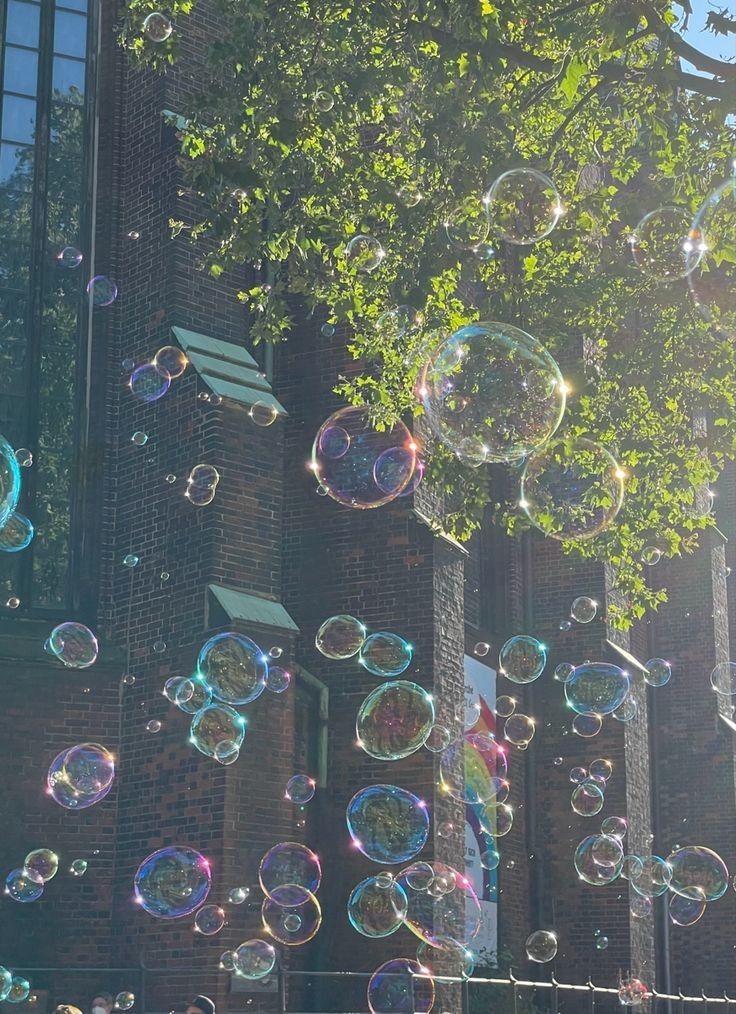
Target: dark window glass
[(16, 166), (70, 34), (22, 24), (68, 79), (18, 119), (21, 71)]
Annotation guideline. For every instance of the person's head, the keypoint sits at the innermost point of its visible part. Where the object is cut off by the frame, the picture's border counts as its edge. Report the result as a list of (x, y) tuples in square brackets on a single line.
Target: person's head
[(102, 1003), (201, 1005)]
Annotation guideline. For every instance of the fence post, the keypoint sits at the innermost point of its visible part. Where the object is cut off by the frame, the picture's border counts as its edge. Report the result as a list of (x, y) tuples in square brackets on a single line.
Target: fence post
[(591, 997), (555, 996), (282, 989)]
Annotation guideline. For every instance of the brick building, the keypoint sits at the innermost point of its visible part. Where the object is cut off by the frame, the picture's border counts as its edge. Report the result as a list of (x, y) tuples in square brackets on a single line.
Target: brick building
[(89, 159)]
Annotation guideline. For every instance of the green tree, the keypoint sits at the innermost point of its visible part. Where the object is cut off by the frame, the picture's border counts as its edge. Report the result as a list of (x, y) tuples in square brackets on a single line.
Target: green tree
[(320, 120)]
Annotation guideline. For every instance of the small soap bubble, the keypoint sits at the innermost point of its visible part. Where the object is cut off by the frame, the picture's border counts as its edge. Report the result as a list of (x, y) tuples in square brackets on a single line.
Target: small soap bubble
[(124, 1001), (134, 234), (102, 290), (446, 829), (438, 739), (481, 649), (78, 867), (171, 360), (323, 101), (541, 946), (153, 726), (215, 399), (148, 384), (263, 414), (203, 396), (209, 920), (658, 672), (128, 680), (601, 943), (364, 253), (24, 457), (300, 789), (410, 195), (277, 679), (650, 556), (24, 885), (69, 257), (159, 647), (565, 624), (238, 895), (131, 560), (139, 438), (564, 671), (170, 478), (13, 602), (157, 27), (275, 651), (505, 706), (327, 330), (583, 609), (127, 364), (164, 575)]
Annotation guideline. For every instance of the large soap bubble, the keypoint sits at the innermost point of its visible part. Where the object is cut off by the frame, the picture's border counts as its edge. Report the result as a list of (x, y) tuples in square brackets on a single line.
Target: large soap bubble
[(172, 882), (697, 871), (441, 903), (599, 859), (651, 876), (473, 769), (387, 824), (713, 283), (16, 534), (24, 885), (522, 659), (214, 725), (385, 654), (524, 206), (597, 687), (492, 393), (81, 776), (723, 679), (665, 246), (400, 985), (289, 924), (360, 466), (73, 644), (467, 224), (376, 908), (44, 862), (686, 911), (340, 637), (572, 489), (9, 480), (289, 873), (394, 720), (233, 667)]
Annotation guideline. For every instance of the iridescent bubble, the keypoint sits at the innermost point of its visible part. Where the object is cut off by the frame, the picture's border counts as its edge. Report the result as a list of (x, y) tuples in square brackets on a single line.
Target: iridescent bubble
[(9, 480), (587, 725), (524, 206), (665, 246), (519, 729), (238, 895), (632, 993), (564, 671), (227, 752), (102, 290), (300, 789), (124, 1000), (263, 413), (587, 799), (505, 706), (615, 827), (490, 858), (69, 257), (172, 882), (178, 688), (640, 906), (627, 711), (384, 879), (599, 859), (157, 27), (583, 609), (578, 775), (202, 484), (81, 776), (476, 395), (686, 911), (73, 644), (419, 876), (365, 475), (24, 885), (650, 556), (572, 489), (658, 672), (227, 961), (597, 687), (215, 724), (131, 560), (436, 913), (78, 867), (289, 873), (697, 870), (541, 946), (385, 654), (400, 984), (522, 659), (364, 253), (20, 989), (387, 824), (467, 224), (438, 738), (16, 534), (601, 768), (209, 920), (44, 862), (292, 926), (446, 959), (254, 959), (473, 768), (192, 695), (327, 330), (170, 359), (723, 679), (375, 910), (278, 679), (148, 384), (153, 726), (632, 866), (233, 667), (652, 877), (340, 637), (712, 285), (394, 720)]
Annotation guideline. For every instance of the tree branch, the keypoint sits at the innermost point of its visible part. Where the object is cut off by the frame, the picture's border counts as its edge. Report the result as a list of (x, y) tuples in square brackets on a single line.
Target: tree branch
[(702, 61)]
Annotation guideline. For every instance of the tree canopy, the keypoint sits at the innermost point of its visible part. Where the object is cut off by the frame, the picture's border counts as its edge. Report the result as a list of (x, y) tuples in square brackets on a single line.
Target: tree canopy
[(319, 120)]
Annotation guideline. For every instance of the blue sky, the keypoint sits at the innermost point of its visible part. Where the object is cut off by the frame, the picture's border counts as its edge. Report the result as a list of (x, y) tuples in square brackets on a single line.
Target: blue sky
[(721, 46)]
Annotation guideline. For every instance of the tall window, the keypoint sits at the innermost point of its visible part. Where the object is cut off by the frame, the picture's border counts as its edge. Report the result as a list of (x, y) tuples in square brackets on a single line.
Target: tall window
[(44, 120)]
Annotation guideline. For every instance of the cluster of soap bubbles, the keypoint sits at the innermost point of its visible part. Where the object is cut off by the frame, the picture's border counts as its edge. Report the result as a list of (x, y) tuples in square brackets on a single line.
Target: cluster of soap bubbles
[(202, 485), (16, 531), (26, 883), (150, 381), (13, 988), (81, 776), (589, 787), (382, 654), (290, 875)]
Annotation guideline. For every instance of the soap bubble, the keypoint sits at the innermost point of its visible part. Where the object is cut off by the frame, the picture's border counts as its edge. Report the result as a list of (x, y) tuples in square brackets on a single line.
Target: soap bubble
[(365, 474), (192, 695), (599, 859), (572, 489), (467, 224), (598, 687), (178, 688), (723, 679), (400, 984), (172, 882), (601, 943), (20, 989), (650, 556), (13, 602), (652, 877), (492, 393), (153, 726), (490, 858), (627, 711), (712, 284), (615, 827), (665, 246), (519, 729), (699, 501), (24, 885), (394, 720), (695, 871), (78, 867), (170, 359), (399, 321), (472, 713), (69, 257), (583, 609), (364, 253), (587, 725), (24, 457), (233, 667), (238, 895), (289, 873), (157, 27), (148, 384), (9, 480), (438, 738), (385, 654), (73, 644), (410, 195), (102, 290), (658, 672), (565, 624), (292, 926), (254, 959), (81, 776), (541, 946), (131, 560), (564, 671), (473, 768), (263, 413), (16, 534), (436, 912), (631, 867), (124, 1001), (387, 824), (278, 679), (632, 993), (505, 706), (217, 723), (375, 910), (481, 649), (524, 206), (209, 920), (601, 768), (587, 799), (300, 789), (522, 659), (640, 906), (44, 862), (201, 485), (686, 911), (227, 752), (327, 330), (340, 637), (446, 959)]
